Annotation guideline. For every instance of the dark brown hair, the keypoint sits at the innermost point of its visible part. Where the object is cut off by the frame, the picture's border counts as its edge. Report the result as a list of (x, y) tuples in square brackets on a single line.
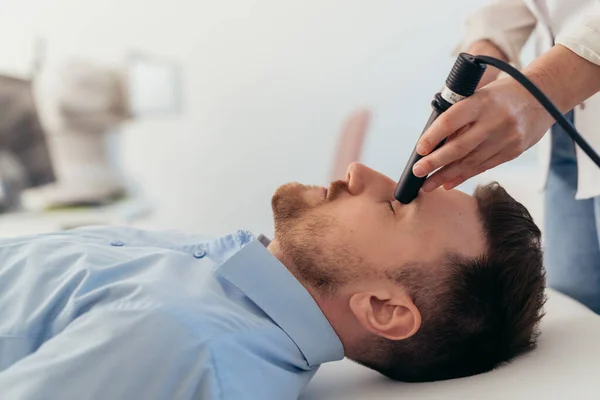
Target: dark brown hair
[(476, 313)]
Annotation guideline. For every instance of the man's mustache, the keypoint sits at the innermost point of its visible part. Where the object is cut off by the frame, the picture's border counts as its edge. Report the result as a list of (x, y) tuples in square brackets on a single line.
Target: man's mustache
[(336, 189)]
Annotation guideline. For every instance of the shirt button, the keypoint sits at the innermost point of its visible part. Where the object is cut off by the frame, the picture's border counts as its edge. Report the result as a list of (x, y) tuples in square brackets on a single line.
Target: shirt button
[(199, 253), (117, 243)]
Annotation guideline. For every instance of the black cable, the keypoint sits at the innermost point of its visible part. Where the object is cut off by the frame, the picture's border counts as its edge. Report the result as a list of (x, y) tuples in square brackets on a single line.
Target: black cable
[(544, 101)]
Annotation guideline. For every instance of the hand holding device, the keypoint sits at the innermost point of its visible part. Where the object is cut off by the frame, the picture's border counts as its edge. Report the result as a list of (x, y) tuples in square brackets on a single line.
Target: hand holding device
[(461, 83)]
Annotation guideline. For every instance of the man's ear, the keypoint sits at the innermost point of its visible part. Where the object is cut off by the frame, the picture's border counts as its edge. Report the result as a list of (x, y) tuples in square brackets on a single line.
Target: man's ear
[(390, 314)]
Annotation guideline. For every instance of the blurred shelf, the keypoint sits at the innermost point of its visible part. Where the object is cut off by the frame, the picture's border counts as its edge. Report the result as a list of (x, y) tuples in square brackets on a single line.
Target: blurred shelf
[(125, 212)]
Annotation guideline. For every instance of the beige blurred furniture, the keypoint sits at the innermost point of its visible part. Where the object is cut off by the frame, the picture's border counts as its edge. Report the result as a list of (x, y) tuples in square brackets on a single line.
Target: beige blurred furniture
[(350, 143)]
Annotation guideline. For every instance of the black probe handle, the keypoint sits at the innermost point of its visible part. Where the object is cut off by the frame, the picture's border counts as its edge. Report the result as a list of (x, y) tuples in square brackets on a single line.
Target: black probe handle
[(461, 83), (409, 185)]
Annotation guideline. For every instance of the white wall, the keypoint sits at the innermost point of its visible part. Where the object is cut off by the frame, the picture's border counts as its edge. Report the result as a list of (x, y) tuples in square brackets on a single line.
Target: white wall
[(267, 85)]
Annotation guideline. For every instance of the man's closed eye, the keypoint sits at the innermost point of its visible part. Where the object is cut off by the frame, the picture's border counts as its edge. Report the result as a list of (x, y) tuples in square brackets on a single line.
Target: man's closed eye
[(391, 207)]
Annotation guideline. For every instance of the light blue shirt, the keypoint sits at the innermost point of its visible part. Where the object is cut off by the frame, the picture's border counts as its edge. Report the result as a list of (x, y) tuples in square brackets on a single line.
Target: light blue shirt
[(119, 313)]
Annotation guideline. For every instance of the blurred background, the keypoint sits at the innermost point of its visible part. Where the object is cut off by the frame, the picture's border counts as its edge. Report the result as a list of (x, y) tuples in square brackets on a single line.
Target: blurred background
[(188, 114)]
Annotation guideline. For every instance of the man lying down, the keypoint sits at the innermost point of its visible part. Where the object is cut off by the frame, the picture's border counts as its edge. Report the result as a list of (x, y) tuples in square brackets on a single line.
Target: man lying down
[(449, 286)]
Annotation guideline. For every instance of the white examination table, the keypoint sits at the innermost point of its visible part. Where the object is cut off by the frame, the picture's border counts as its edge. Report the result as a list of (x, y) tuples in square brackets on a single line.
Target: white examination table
[(566, 365)]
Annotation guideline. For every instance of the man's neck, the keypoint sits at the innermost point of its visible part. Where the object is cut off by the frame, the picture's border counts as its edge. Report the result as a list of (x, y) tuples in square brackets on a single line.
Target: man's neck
[(331, 306), (276, 250)]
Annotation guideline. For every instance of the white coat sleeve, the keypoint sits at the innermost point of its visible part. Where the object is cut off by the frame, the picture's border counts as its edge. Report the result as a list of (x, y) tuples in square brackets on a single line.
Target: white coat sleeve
[(583, 35), (506, 23)]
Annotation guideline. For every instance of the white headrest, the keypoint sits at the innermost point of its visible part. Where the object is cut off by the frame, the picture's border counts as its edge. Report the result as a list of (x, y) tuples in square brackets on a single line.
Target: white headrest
[(566, 365)]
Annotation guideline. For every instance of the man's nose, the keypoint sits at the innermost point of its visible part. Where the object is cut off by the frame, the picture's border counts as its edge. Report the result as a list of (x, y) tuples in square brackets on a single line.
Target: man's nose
[(364, 180)]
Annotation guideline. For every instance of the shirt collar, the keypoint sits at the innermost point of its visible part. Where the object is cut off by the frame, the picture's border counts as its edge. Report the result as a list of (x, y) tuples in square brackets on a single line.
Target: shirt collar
[(269, 284), (264, 240)]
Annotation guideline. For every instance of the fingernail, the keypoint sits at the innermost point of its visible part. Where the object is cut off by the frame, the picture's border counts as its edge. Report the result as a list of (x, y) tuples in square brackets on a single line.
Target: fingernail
[(421, 149), (418, 170), (429, 185)]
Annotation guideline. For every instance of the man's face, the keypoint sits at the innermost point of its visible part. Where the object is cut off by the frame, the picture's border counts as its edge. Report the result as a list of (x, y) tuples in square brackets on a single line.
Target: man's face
[(356, 227)]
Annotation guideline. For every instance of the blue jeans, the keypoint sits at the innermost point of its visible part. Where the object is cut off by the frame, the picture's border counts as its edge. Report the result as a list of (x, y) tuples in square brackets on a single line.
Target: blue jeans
[(572, 244)]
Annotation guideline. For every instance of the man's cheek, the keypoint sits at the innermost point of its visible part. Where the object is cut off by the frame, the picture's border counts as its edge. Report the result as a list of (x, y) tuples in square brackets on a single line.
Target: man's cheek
[(352, 221), (424, 244)]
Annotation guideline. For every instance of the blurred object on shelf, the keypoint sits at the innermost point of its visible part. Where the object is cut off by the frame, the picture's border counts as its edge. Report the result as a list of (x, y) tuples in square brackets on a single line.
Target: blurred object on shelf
[(80, 103), (21, 136), (82, 107), (13, 180)]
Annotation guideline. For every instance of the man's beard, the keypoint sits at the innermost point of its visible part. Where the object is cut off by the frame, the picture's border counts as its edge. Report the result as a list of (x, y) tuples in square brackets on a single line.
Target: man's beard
[(304, 236)]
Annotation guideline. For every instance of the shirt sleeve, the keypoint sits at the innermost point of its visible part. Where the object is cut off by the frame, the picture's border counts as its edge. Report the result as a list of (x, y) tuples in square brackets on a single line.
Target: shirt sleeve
[(506, 23), (583, 36), (116, 353)]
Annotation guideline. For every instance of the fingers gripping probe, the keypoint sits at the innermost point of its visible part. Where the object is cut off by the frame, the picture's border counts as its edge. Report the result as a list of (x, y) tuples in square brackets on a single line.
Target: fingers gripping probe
[(461, 83)]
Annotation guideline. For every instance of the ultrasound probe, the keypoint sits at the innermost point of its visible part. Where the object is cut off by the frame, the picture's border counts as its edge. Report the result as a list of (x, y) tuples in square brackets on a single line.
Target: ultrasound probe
[(460, 84)]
